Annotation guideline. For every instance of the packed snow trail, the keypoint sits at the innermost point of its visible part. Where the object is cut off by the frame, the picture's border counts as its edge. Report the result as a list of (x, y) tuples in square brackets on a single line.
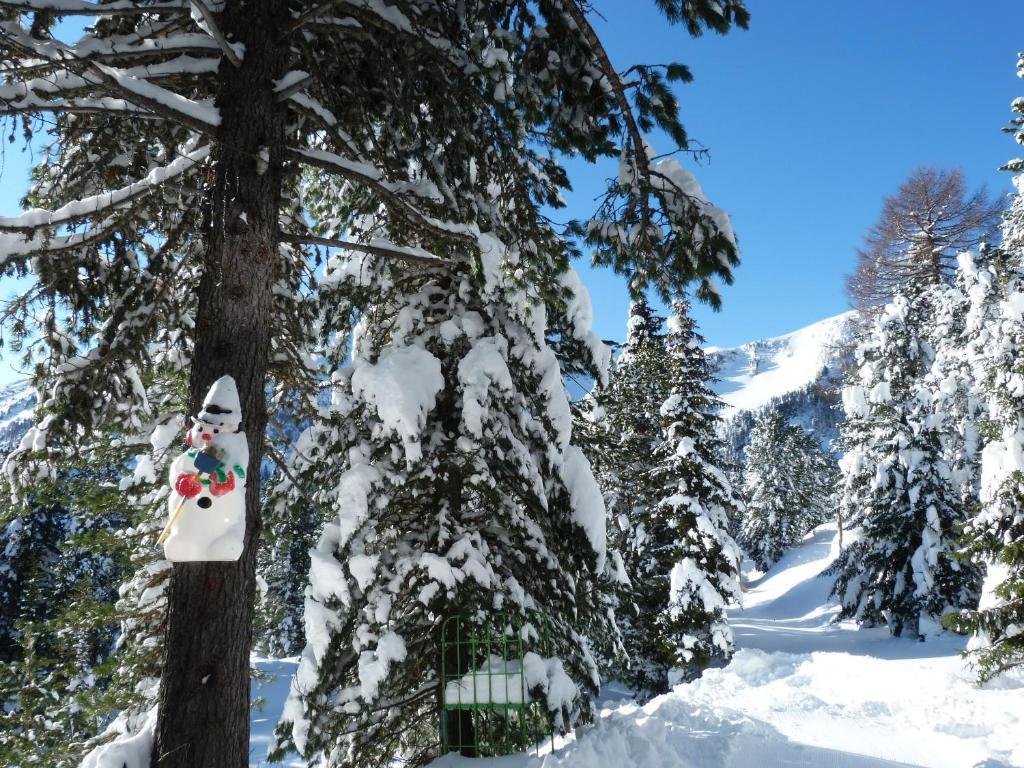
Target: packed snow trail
[(788, 610), (801, 692)]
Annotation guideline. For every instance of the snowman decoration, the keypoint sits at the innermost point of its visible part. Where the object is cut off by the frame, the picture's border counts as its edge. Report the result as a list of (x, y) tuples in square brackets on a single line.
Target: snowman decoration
[(206, 507)]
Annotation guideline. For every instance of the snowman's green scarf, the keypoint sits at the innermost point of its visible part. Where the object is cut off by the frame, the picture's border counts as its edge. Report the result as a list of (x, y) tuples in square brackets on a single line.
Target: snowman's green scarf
[(221, 472)]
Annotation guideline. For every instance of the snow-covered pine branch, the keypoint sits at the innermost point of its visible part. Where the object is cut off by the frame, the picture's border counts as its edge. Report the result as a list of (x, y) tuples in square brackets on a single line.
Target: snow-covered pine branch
[(85, 8), (102, 204), (376, 247)]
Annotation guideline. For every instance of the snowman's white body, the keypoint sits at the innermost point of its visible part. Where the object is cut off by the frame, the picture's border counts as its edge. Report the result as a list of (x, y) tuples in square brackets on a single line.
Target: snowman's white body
[(211, 527)]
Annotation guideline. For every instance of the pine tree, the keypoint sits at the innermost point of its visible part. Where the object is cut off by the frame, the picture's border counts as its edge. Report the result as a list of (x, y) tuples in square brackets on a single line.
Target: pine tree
[(951, 380), (202, 152), (29, 548), (622, 444), (996, 533), (898, 486), (786, 486), (771, 524), (463, 496), (638, 384), (92, 586), (681, 562), (642, 327), (816, 473), (621, 447)]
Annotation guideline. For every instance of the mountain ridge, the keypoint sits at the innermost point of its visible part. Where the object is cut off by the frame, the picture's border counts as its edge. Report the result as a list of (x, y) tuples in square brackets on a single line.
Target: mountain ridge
[(799, 373)]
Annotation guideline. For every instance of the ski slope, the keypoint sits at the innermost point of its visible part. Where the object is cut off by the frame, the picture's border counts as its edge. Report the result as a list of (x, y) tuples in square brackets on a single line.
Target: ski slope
[(803, 691)]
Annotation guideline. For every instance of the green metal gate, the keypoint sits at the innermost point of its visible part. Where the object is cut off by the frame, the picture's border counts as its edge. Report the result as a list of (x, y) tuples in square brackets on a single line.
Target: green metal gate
[(486, 707)]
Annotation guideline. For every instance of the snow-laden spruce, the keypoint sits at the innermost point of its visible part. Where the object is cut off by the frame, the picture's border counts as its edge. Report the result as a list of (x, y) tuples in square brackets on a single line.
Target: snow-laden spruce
[(621, 426), (899, 494), (996, 533), (996, 326), (83, 585), (658, 457), (689, 524), (952, 378), (788, 483), (620, 430), (462, 495)]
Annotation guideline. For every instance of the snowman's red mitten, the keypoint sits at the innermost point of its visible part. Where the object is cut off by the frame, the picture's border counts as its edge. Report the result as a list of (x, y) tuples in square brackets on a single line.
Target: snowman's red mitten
[(219, 489), (188, 485)]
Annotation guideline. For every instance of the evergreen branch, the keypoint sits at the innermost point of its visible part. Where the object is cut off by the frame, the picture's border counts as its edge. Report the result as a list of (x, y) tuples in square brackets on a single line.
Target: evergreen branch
[(310, 107), (367, 175), (38, 218), (211, 23), (371, 17), (307, 16), (285, 93), (11, 247), (116, 329), (83, 8), (618, 87), (64, 82), (283, 466), (160, 101), (101, 106), (184, 44), (377, 248)]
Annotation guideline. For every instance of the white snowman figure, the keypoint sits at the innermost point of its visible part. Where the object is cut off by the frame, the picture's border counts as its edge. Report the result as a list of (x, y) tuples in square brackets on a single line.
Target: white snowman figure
[(206, 507)]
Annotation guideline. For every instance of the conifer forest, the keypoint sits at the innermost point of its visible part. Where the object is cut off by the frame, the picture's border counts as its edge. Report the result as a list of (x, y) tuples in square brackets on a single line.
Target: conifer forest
[(377, 385)]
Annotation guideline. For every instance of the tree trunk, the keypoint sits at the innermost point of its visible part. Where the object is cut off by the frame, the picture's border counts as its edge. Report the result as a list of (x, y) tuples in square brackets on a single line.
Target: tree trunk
[(203, 719)]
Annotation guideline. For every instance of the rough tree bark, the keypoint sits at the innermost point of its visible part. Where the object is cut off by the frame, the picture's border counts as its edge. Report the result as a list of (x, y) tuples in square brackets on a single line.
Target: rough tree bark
[(203, 716)]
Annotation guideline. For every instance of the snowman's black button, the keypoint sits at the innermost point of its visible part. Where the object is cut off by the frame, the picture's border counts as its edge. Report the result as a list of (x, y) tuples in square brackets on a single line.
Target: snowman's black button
[(205, 502)]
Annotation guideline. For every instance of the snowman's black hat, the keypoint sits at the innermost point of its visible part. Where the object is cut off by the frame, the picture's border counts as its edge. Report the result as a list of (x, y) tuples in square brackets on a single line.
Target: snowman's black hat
[(221, 406), (209, 418)]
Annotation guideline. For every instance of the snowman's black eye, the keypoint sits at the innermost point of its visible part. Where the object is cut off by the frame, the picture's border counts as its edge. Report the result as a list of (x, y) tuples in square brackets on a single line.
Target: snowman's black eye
[(216, 431)]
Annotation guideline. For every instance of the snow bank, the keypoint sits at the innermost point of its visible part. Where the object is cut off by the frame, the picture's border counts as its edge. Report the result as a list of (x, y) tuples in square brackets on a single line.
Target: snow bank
[(918, 711)]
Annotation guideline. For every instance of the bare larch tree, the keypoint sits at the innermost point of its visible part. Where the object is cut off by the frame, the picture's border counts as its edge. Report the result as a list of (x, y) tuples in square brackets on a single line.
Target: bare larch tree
[(931, 218)]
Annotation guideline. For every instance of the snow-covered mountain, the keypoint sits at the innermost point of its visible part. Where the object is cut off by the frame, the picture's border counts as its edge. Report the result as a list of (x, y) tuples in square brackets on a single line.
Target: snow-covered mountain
[(799, 373), (17, 403)]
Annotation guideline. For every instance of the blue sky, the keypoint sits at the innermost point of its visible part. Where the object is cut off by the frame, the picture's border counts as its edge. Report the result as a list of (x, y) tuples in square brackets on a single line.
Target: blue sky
[(811, 116)]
